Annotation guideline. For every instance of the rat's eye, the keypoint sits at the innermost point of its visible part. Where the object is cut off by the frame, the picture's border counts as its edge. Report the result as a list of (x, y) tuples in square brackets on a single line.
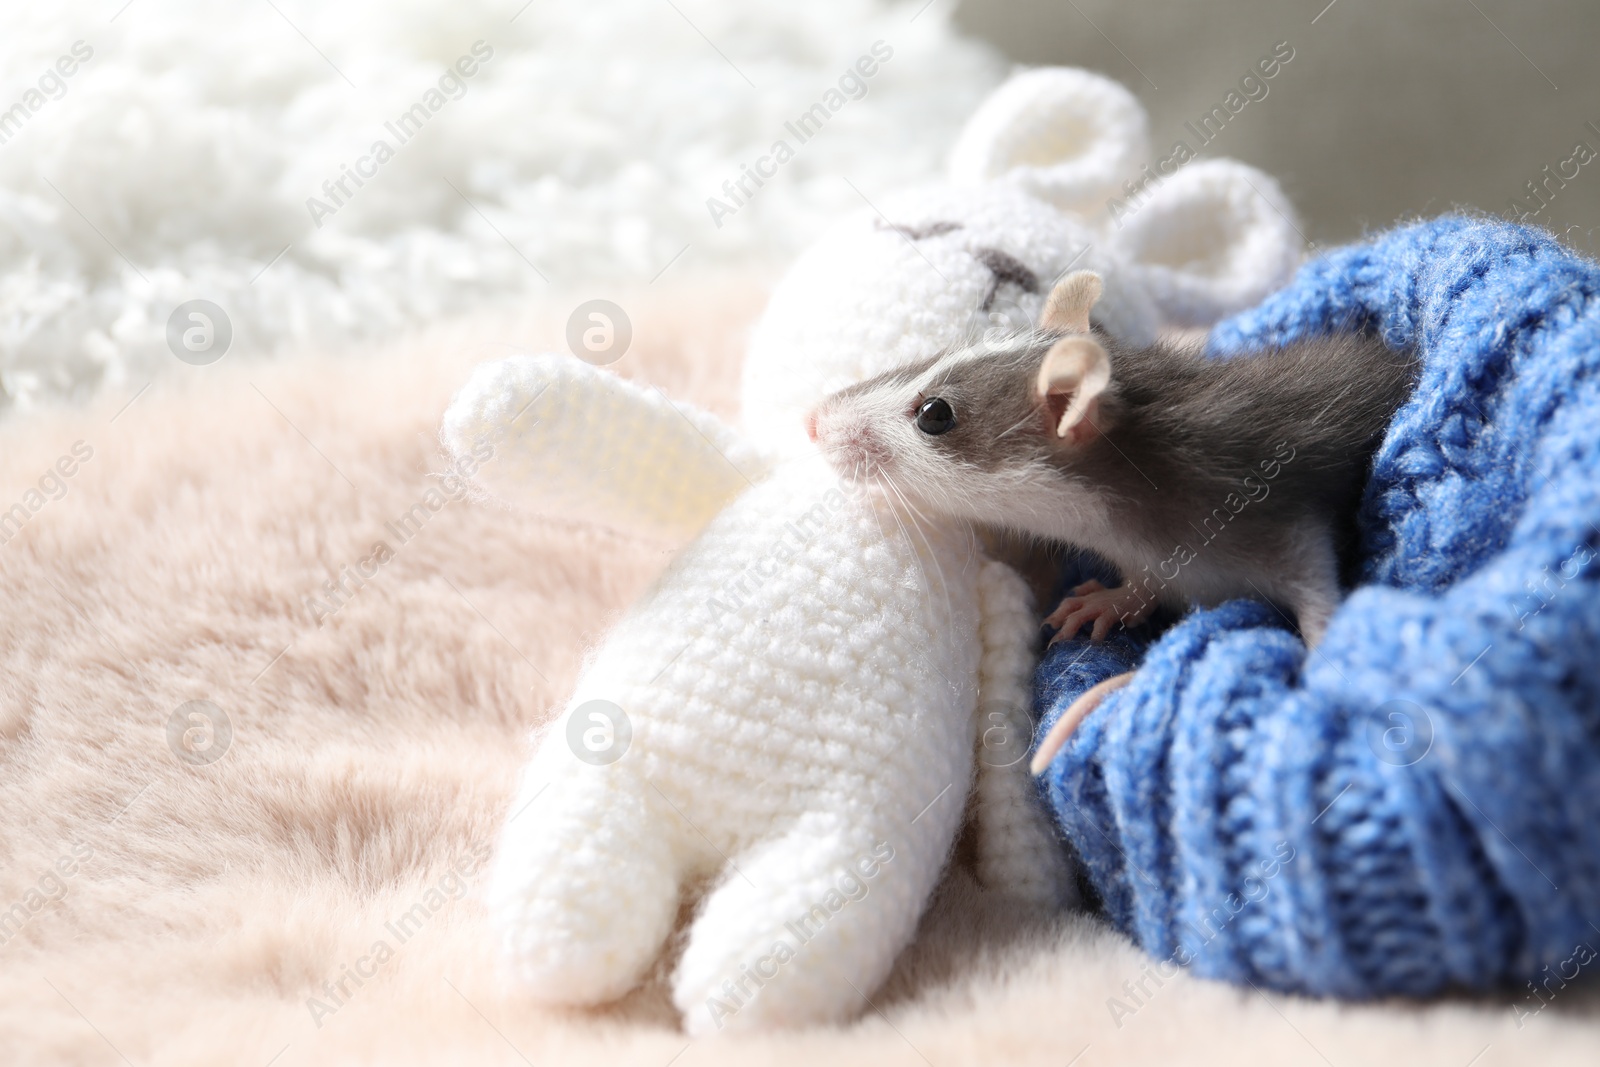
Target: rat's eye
[(935, 417)]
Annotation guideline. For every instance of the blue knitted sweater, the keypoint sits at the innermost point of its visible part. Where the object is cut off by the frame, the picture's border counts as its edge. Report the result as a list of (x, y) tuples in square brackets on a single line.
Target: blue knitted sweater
[(1415, 806)]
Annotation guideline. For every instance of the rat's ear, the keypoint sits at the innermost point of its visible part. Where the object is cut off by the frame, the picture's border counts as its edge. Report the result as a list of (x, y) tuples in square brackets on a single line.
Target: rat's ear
[(1072, 379), (1067, 308)]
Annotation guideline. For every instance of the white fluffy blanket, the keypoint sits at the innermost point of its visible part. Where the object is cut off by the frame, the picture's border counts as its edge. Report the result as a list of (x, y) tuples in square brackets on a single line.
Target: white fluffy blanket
[(203, 149)]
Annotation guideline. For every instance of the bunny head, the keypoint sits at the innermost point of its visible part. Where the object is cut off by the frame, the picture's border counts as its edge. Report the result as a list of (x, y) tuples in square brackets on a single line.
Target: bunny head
[(938, 269), (1052, 173), (1205, 238)]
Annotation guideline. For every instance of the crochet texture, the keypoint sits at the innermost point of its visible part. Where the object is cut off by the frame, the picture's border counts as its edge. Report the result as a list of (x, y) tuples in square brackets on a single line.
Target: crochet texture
[(1415, 805)]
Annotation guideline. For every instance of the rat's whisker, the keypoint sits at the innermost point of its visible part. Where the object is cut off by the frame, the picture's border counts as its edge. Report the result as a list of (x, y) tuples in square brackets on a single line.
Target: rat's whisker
[(1029, 417), (933, 556)]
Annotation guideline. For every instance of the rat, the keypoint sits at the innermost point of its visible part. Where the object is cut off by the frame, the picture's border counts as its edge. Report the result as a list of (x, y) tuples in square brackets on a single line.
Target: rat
[(1199, 478)]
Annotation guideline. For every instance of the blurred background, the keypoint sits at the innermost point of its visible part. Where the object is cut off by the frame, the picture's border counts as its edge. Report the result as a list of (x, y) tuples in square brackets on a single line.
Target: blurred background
[(1388, 110), (159, 152)]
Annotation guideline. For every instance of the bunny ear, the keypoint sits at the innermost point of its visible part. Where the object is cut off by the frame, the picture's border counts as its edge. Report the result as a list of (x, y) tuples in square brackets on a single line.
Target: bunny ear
[(1214, 238), (1064, 135)]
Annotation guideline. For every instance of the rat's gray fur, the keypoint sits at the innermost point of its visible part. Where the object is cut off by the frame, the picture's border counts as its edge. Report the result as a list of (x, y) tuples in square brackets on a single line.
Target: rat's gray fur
[(1208, 478)]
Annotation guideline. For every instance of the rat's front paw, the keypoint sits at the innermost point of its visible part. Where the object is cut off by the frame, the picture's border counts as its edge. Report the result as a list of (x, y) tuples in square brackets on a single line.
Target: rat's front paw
[(1093, 602)]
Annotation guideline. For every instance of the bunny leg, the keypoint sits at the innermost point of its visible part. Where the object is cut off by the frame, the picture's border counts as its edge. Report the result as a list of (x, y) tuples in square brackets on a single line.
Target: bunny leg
[(585, 886), (1018, 853), (807, 925)]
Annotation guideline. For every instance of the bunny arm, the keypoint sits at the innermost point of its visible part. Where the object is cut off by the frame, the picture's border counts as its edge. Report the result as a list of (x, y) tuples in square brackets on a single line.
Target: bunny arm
[(1017, 852), (560, 437)]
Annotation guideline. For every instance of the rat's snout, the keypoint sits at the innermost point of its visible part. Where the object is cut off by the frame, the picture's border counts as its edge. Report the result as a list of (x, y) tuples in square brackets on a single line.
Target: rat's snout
[(846, 439), (819, 426)]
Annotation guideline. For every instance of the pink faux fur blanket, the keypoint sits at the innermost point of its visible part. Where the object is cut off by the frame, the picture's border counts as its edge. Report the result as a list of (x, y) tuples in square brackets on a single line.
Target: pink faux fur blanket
[(284, 874)]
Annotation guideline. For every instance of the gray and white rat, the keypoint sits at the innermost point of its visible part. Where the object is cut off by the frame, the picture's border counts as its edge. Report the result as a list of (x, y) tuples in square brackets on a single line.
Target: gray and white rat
[(1201, 479)]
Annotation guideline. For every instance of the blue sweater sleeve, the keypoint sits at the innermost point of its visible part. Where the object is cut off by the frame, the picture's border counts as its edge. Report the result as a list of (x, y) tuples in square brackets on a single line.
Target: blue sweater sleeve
[(1415, 805)]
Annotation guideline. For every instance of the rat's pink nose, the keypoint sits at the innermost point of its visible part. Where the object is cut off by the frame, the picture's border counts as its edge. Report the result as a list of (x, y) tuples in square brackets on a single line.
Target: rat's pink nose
[(811, 425)]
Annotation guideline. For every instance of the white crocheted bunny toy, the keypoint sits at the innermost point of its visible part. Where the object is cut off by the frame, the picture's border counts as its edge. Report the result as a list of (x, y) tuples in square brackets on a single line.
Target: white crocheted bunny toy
[(793, 718)]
